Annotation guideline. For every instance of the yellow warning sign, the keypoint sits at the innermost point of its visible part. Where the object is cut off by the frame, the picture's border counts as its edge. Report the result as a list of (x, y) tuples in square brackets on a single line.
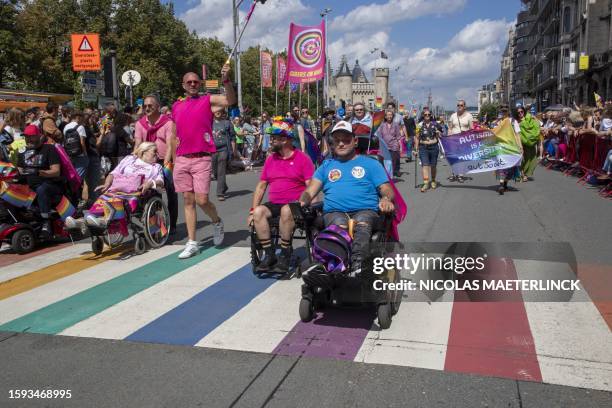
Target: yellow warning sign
[(86, 52)]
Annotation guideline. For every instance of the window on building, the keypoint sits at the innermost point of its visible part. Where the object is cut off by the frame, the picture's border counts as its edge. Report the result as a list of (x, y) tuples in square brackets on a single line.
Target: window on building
[(567, 20)]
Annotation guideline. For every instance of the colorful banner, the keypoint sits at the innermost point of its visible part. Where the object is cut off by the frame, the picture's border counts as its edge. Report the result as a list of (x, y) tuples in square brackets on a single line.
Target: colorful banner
[(281, 69), (266, 69), (402, 108), (378, 102), (18, 195), (306, 57), (65, 208), (478, 151), (377, 120)]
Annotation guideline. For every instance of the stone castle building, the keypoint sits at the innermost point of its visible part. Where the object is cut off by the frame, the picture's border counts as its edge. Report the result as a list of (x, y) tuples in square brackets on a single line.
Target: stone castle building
[(352, 86)]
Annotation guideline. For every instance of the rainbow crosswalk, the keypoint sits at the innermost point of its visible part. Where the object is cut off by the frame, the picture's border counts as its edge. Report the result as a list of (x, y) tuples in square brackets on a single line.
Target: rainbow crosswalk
[(213, 300)]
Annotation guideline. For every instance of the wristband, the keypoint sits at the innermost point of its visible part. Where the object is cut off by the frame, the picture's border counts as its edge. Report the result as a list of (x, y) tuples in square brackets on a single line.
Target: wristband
[(251, 210)]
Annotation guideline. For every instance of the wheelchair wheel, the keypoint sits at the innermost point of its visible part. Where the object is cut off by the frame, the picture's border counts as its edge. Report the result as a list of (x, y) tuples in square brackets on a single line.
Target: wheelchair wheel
[(113, 240), (97, 245), (306, 310), (140, 246), (23, 241), (384, 314), (156, 220)]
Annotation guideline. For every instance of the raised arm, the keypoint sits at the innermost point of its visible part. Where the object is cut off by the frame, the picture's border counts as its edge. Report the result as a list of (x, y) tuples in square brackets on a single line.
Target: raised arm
[(220, 102)]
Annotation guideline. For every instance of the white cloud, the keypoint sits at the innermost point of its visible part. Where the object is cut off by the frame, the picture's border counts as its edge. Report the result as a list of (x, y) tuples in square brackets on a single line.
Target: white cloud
[(481, 33), (268, 26), (376, 15)]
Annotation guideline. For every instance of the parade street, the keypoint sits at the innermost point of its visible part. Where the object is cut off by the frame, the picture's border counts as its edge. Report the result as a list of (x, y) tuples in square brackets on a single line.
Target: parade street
[(152, 330)]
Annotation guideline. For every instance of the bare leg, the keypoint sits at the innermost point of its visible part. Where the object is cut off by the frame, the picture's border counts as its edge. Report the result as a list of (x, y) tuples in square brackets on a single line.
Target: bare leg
[(261, 214), (190, 214), (286, 223), (208, 207)]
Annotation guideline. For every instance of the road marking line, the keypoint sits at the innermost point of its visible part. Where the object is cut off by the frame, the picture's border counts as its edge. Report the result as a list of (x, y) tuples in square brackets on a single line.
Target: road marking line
[(128, 316), (45, 295), (54, 272), (63, 314)]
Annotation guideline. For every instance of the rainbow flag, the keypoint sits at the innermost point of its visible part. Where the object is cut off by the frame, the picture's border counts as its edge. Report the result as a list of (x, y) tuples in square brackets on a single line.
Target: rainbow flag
[(117, 205), (8, 170), (18, 195), (65, 208), (377, 120), (168, 172), (379, 102), (598, 100), (157, 224), (312, 147)]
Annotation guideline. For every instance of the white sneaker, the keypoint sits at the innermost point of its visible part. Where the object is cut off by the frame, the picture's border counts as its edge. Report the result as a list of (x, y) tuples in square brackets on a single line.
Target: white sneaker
[(190, 250), (219, 233), (94, 221), (75, 224)]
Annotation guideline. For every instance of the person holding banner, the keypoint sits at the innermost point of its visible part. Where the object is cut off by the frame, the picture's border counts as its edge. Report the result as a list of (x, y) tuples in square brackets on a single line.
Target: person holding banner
[(426, 144), (504, 175), (460, 121)]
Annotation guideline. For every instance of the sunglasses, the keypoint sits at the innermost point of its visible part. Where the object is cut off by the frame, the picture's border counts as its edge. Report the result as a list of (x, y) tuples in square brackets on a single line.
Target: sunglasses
[(192, 82), (460, 106), (523, 112), (359, 110), (149, 106), (427, 115)]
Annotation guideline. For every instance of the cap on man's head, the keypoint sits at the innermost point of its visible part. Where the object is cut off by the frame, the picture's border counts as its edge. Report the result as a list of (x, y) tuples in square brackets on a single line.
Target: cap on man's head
[(343, 126), (31, 130)]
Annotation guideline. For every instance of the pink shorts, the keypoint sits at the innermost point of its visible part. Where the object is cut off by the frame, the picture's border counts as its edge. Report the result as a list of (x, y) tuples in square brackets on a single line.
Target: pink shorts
[(192, 174)]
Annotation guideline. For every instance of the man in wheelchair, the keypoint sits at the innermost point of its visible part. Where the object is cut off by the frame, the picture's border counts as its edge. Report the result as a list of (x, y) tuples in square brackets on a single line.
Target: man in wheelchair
[(287, 172), (356, 188), (40, 165)]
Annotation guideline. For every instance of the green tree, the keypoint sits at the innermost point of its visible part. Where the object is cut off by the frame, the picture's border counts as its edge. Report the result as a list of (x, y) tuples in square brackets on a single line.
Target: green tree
[(489, 110), (9, 51)]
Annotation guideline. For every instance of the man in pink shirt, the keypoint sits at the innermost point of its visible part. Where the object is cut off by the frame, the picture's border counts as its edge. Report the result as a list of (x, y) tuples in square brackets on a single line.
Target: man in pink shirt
[(160, 129), (287, 171), (195, 145)]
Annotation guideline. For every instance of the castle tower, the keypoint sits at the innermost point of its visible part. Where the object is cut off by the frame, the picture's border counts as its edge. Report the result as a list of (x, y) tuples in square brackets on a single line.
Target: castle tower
[(381, 83), (344, 83)]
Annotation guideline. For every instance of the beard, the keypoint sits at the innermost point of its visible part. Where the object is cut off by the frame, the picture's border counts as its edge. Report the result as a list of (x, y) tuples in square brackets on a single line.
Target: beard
[(276, 148)]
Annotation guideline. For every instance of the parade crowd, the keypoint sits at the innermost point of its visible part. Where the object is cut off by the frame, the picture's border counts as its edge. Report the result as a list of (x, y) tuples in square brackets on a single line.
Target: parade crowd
[(181, 148)]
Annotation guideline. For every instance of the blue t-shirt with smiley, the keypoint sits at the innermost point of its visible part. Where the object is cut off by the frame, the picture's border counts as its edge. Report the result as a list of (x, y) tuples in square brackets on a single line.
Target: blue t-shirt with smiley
[(351, 185)]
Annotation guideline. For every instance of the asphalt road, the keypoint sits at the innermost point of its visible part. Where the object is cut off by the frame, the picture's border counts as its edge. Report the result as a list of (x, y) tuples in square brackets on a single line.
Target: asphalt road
[(551, 210)]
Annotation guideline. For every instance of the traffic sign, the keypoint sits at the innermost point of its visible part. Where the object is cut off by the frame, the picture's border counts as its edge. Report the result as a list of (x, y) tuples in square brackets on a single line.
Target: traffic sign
[(85, 52), (131, 78)]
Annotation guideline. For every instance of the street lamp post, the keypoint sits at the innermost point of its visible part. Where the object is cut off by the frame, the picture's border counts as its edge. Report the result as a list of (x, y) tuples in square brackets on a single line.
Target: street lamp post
[(324, 14)]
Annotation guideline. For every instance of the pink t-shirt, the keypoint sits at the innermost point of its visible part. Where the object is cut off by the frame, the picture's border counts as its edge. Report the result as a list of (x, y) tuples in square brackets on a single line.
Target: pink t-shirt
[(193, 118), (162, 135), (287, 177)]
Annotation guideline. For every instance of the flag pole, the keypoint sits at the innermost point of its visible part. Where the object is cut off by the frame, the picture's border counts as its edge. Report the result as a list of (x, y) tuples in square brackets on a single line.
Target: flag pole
[(260, 83), (308, 96), (276, 90), (300, 89), (289, 91), (317, 90)]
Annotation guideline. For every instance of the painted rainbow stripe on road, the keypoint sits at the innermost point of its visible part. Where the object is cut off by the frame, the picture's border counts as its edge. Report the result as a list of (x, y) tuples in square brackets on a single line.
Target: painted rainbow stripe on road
[(213, 300)]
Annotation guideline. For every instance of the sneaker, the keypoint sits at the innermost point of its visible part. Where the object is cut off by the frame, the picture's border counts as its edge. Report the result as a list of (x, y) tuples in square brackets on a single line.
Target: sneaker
[(284, 260), (219, 233), (434, 185), (94, 221), (76, 224), (46, 231), (425, 187), (190, 250), (267, 263), (500, 190)]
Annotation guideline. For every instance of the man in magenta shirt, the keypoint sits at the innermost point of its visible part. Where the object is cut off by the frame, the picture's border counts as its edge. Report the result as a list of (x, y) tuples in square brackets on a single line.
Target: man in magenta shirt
[(287, 171), (160, 129), (193, 117)]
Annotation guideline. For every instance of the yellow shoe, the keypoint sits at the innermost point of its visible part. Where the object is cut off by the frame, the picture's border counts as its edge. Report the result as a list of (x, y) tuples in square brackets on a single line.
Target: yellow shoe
[(434, 185), (425, 187)]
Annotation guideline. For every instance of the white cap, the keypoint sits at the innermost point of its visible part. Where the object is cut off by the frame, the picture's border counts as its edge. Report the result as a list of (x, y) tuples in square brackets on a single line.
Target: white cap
[(343, 125)]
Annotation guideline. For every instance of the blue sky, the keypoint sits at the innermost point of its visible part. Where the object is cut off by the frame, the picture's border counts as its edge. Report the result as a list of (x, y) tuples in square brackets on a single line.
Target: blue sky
[(452, 46)]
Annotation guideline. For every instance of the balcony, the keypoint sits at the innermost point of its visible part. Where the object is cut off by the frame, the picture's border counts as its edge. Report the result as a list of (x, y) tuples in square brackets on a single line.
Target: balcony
[(524, 16), (600, 60), (546, 78), (522, 60)]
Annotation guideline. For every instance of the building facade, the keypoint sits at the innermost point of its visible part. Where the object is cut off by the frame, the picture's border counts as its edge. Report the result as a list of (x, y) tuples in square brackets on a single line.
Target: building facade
[(352, 86), (507, 69), (562, 52), (490, 93)]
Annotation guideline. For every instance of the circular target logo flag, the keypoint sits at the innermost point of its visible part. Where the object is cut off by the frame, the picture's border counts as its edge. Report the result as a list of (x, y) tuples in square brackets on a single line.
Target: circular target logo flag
[(306, 56)]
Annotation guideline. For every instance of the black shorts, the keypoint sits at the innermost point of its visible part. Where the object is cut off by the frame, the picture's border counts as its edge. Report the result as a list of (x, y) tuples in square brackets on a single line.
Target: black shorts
[(275, 209)]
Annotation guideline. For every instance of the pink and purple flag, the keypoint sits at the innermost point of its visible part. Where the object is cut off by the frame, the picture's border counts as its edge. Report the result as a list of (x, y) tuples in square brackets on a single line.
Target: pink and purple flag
[(306, 57)]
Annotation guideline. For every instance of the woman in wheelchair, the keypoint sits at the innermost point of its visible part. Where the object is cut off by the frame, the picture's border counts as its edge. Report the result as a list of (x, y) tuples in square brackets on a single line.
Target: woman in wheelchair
[(356, 188), (287, 172), (134, 175)]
